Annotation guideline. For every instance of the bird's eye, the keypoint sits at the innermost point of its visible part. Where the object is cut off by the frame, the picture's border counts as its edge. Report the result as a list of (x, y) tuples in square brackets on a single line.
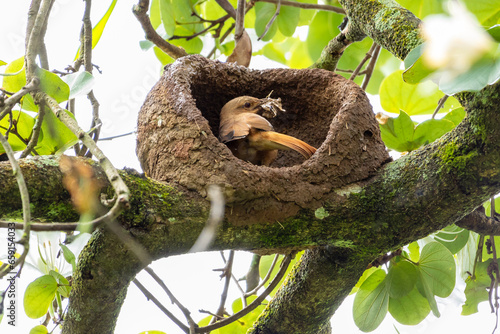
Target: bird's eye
[(247, 105)]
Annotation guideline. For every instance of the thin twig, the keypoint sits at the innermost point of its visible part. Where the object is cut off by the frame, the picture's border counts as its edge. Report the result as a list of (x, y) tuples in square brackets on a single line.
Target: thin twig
[(25, 200), (219, 22), (368, 55), (151, 297), (271, 21), (371, 67), (174, 300), (228, 31), (15, 98), (36, 132), (36, 38), (253, 305), (227, 274), (440, 105), (266, 278), (140, 11), (306, 5), (118, 136)]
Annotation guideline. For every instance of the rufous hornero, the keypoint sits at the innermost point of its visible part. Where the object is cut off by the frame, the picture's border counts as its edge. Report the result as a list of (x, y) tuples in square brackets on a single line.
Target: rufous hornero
[(250, 136)]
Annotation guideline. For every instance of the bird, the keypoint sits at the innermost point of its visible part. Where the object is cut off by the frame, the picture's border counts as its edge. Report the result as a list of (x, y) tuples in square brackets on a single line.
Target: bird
[(249, 135)]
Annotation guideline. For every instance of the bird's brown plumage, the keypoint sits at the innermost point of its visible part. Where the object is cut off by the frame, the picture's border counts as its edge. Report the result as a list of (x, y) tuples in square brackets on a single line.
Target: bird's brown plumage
[(251, 137)]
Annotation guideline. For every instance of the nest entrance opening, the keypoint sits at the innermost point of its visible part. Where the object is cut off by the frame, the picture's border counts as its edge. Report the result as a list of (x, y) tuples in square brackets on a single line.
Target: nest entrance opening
[(306, 117)]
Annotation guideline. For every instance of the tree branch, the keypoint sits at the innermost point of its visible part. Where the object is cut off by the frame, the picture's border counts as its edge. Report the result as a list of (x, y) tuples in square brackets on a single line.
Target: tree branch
[(25, 199), (140, 12)]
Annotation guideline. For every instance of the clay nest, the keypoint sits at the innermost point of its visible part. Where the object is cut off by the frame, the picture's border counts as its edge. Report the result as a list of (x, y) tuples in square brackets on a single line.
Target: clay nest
[(178, 130)]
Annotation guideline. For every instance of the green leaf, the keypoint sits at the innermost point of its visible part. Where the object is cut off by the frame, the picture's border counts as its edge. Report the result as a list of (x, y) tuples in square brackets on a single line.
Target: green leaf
[(16, 82), (38, 296), (24, 124), (397, 133), (154, 14), (79, 83), (321, 30), (410, 309), (422, 8), (167, 17), (475, 293), (68, 256), (99, 27), (40, 329), (145, 45), (243, 324), (414, 250), (484, 72), (395, 95), (371, 302), (162, 56), (288, 19), (416, 70), (494, 32), (363, 278), (430, 130), (277, 51), (193, 46), (306, 16), (453, 237), (487, 206), (227, 48), (299, 55), (486, 11), (437, 269), (263, 14), (205, 322), (53, 85), (425, 290), (265, 265), (63, 285), (455, 116), (55, 134), (401, 278)]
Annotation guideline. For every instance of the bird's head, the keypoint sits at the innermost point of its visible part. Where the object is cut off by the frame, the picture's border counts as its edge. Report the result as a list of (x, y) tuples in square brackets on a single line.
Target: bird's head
[(266, 107), (243, 104)]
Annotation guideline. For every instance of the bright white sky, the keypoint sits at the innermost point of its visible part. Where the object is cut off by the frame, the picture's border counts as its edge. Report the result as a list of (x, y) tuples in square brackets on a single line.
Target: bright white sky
[(128, 74)]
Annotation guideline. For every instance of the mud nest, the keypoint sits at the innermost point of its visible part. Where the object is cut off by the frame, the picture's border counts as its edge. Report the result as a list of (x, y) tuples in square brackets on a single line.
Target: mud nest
[(178, 129)]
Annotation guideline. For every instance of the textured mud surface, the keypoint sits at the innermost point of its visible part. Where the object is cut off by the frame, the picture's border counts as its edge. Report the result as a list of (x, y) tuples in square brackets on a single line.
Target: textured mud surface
[(178, 129)]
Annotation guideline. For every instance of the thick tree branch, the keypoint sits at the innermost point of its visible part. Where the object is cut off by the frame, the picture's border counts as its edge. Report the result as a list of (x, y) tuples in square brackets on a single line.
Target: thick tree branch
[(391, 26)]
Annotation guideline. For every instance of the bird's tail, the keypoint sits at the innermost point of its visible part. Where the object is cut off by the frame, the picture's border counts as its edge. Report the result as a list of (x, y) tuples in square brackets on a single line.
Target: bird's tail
[(285, 142)]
